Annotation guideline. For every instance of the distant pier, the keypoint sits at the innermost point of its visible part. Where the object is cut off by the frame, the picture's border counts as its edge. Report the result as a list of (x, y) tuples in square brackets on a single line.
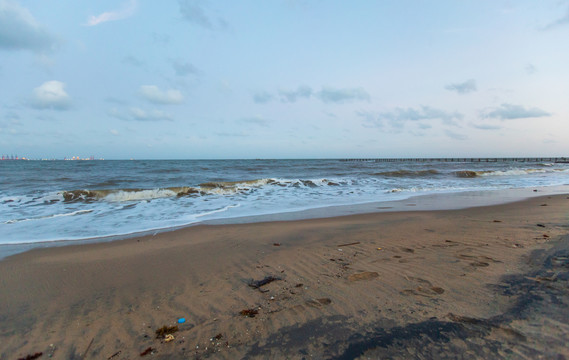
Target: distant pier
[(511, 159)]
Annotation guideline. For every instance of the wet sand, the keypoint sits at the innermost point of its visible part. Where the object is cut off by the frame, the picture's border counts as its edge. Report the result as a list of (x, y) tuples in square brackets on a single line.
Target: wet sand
[(484, 282)]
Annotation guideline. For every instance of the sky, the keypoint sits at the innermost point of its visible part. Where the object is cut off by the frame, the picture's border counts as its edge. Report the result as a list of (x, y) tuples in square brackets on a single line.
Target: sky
[(201, 79)]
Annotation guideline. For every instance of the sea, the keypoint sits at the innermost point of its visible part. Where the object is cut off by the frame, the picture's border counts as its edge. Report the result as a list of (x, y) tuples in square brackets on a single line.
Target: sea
[(57, 201)]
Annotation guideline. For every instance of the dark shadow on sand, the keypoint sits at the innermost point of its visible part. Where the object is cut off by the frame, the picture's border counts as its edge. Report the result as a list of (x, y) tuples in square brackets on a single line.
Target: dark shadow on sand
[(539, 297)]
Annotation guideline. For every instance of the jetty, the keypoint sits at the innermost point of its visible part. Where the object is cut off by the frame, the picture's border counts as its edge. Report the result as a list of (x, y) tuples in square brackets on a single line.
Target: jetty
[(507, 159)]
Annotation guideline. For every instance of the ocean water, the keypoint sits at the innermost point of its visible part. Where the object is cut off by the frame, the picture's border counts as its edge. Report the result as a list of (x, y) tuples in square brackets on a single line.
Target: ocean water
[(42, 201)]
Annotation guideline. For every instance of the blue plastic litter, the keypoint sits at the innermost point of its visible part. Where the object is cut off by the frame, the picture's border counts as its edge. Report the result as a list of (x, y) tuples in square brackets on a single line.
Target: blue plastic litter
[(181, 320)]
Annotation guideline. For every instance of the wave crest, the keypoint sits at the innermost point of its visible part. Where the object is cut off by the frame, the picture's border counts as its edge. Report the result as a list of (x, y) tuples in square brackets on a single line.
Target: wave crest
[(220, 188), (513, 172), (232, 187), (466, 174)]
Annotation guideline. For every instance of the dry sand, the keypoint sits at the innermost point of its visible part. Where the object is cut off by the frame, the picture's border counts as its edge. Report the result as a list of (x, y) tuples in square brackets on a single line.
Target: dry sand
[(486, 282)]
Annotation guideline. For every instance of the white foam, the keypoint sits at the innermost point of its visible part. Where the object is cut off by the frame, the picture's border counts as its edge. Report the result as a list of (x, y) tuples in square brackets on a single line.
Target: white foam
[(122, 195), (78, 212), (128, 209), (10, 199), (516, 172), (217, 211), (231, 188), (221, 191)]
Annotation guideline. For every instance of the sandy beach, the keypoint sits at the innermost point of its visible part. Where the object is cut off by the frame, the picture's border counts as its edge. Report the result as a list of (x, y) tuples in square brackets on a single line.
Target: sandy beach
[(483, 282)]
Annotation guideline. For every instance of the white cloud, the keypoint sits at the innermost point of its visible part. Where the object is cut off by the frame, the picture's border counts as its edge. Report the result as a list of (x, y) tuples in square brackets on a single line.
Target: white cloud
[(126, 11), (485, 126), (326, 94), (303, 91), (255, 120), (51, 95), (183, 68), (463, 88), (371, 119), (138, 114), (132, 61), (153, 94), (510, 112), (262, 97), (562, 21), (144, 115), (531, 69), (332, 95), (19, 30), (397, 117), (194, 11), (424, 126)]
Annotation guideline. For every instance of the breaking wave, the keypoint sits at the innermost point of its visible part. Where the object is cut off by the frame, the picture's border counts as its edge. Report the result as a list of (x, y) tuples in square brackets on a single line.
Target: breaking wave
[(466, 174), (220, 188), (512, 172), (516, 172)]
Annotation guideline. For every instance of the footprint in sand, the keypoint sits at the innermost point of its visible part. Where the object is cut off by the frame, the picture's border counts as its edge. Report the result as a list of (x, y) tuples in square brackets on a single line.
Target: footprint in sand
[(405, 250), (477, 260), (424, 291), (488, 258), (447, 243), (466, 257), (479, 264), (313, 303), (425, 288), (318, 302)]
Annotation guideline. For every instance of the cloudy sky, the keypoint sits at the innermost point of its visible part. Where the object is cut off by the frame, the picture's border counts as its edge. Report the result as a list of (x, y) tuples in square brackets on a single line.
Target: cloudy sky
[(284, 78)]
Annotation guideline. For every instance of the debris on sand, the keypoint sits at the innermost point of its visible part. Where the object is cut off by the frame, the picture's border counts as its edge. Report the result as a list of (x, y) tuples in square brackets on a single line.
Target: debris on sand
[(87, 350), (349, 244), (148, 350), (249, 312), (256, 284), (438, 290), (52, 349), (165, 330), (114, 355)]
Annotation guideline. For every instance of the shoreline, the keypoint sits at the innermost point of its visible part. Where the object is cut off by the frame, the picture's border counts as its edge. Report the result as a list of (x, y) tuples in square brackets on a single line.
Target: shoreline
[(344, 286), (422, 202)]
